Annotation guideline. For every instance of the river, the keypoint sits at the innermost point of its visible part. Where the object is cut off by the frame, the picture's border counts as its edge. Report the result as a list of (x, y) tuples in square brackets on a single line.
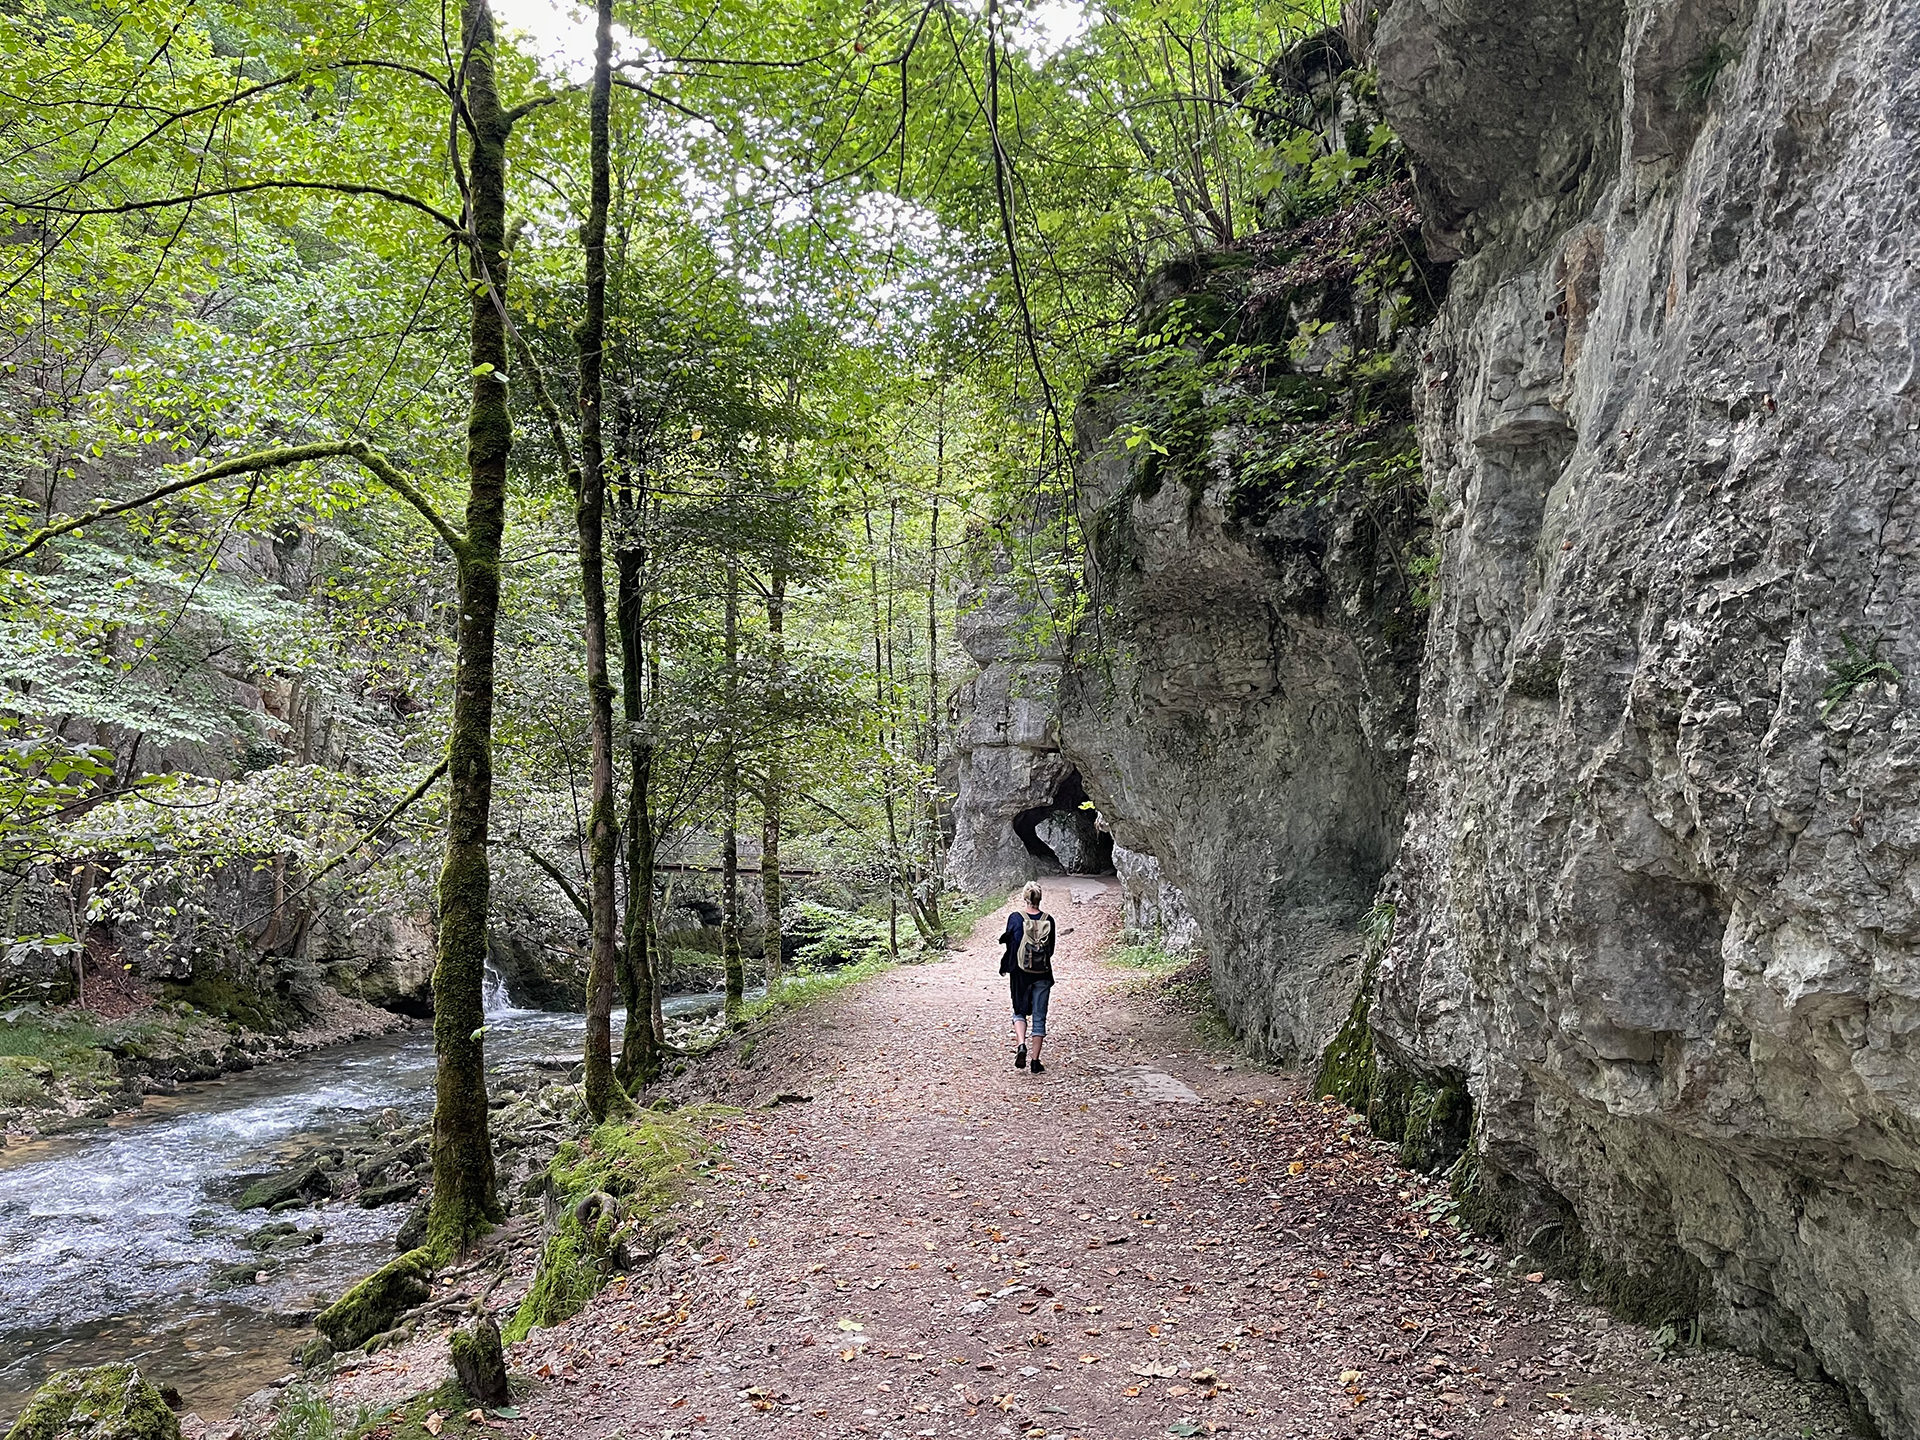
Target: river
[(110, 1237)]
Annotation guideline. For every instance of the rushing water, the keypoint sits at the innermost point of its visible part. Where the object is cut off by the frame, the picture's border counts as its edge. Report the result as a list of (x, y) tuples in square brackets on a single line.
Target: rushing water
[(110, 1238)]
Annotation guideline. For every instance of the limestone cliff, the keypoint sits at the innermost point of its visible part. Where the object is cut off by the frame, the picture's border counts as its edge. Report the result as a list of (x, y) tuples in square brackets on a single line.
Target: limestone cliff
[(1612, 829), (1018, 808), (1241, 703), (1656, 900)]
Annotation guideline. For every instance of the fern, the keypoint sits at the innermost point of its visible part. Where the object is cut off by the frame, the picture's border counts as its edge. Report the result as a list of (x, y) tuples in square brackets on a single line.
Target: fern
[(1854, 668)]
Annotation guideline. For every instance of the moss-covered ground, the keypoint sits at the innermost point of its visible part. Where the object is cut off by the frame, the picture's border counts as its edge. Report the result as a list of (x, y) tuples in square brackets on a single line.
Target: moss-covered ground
[(55, 1062), (607, 1194)]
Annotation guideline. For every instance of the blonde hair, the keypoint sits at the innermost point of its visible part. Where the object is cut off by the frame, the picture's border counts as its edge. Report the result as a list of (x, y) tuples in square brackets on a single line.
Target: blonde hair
[(1032, 893)]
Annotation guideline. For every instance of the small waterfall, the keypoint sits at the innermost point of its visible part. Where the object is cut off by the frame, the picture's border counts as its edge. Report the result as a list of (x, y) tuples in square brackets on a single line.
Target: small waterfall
[(494, 999)]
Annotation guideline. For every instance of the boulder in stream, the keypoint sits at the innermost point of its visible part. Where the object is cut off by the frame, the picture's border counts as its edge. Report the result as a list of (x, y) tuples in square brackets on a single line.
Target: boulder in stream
[(303, 1182), (103, 1402), (371, 1307)]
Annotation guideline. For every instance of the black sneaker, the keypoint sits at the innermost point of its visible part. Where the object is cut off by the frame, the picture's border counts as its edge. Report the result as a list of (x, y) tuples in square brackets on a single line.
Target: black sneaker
[(1020, 1058), (1038, 1068)]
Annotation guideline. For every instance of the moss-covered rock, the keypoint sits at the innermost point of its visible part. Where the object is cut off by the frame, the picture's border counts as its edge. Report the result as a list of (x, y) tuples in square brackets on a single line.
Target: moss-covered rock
[(1542, 1224), (105, 1402), (371, 1307), (608, 1187), (1431, 1116), (303, 1182)]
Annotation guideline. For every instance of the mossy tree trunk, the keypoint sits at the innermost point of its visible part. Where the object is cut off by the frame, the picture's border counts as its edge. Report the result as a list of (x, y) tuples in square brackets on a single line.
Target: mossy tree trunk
[(639, 1051), (464, 1201), (730, 799), (603, 1093), (770, 792)]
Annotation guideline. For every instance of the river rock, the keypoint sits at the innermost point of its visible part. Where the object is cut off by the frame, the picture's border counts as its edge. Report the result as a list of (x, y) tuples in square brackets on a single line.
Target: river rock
[(371, 1307), (413, 1230), (290, 1188), (392, 1192), (105, 1402), (283, 1237)]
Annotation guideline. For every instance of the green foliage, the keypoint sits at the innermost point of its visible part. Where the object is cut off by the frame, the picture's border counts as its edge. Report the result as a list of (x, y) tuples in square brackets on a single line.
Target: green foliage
[(829, 937), (1854, 668), (302, 1413), (1288, 413), (802, 987), (1150, 956), (1424, 571), (1703, 72), (642, 1164)]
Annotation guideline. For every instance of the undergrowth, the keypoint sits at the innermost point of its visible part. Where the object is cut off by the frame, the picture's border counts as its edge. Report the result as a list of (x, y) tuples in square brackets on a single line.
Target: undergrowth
[(642, 1165), (1149, 954), (805, 986), (1180, 979), (42, 1047)]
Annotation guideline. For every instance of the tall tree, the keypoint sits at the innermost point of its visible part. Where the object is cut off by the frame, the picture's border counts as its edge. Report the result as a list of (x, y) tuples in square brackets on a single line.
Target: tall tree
[(603, 1091)]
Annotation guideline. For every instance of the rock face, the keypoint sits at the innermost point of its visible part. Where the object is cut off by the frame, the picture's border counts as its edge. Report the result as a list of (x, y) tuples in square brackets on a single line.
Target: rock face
[(1152, 907), (1243, 708), (1644, 797), (1017, 812), (1656, 900), (1251, 733)]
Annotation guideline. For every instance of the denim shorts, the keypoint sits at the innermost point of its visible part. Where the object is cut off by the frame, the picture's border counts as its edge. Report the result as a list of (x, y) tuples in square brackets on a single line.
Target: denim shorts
[(1030, 998)]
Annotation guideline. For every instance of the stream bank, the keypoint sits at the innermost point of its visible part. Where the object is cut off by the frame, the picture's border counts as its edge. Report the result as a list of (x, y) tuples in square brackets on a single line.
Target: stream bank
[(122, 1238), (63, 1067)]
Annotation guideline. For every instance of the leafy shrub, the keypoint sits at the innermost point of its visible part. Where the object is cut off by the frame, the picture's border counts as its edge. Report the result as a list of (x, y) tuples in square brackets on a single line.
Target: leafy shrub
[(837, 937)]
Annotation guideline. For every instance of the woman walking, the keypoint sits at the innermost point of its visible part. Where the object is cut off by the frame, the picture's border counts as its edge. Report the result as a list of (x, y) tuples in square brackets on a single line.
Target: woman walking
[(1028, 966)]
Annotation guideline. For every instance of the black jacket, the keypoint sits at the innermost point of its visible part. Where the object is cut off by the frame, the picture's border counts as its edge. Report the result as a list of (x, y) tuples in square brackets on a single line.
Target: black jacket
[(1010, 937)]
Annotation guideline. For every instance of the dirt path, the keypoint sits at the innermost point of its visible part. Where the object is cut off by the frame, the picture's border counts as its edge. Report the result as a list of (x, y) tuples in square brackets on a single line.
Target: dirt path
[(1148, 1240)]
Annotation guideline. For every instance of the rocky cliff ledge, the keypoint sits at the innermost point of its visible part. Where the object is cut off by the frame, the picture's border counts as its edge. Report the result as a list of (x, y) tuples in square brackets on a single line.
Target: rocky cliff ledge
[(1241, 704), (1656, 901)]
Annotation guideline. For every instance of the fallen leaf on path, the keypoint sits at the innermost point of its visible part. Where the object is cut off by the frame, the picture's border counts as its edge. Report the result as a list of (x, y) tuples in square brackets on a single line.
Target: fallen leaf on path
[(435, 1422), (1536, 1277), (1155, 1372)]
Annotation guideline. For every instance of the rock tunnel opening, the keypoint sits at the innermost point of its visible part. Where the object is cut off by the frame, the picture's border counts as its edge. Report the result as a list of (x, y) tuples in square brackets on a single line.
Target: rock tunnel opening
[(1065, 835)]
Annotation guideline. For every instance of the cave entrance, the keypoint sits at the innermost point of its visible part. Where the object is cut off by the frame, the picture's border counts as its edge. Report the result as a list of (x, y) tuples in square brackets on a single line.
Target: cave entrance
[(1064, 835)]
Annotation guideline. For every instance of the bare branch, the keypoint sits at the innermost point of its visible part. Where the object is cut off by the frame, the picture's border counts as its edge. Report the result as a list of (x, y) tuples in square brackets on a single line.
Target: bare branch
[(377, 826), (561, 880), (381, 469), (338, 187)]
